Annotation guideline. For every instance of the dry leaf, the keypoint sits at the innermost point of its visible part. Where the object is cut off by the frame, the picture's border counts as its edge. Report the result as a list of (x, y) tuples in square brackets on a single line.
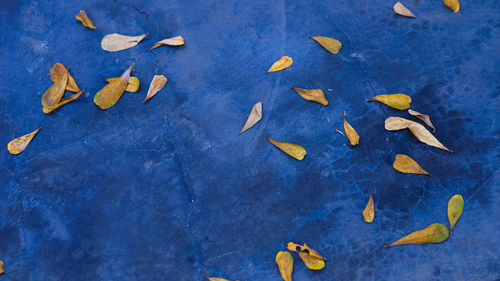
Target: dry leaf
[(281, 64), (434, 233), (398, 101), (174, 41), (53, 95), (116, 42), (285, 265), (132, 86), (253, 118), (2, 271), (316, 95), (215, 279), (57, 71), (294, 150), (423, 117), (454, 5), (156, 85), (404, 164), (352, 135), (112, 92), (455, 208), (396, 123), (82, 16), (332, 45), (369, 211), (425, 136), (62, 102), (311, 262), (299, 248), (19, 144), (400, 9)]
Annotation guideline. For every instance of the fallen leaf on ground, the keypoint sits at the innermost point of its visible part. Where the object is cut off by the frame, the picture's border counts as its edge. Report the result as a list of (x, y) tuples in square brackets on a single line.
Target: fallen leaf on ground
[(455, 208), (400, 9), (304, 248), (215, 279), (423, 117), (396, 123), (311, 262), (57, 71), (156, 85), (84, 19), (116, 42), (369, 211), (281, 64), (285, 265), (294, 150), (331, 45), (132, 86), (454, 5), (397, 101), (253, 118), (174, 41), (112, 92), (434, 233), (2, 271), (62, 102), (315, 95), (425, 136), (352, 135), (19, 144), (53, 95), (404, 164)]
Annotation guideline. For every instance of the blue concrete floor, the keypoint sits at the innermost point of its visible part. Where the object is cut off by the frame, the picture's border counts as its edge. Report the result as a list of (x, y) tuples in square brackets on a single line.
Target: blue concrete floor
[(168, 191)]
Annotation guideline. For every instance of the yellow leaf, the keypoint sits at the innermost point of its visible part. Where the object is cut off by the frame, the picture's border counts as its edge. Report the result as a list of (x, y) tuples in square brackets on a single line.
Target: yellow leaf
[(281, 64), (400, 9), (156, 85), (2, 271), (299, 248), (434, 233), (215, 279), (57, 71), (116, 42), (454, 5), (253, 118), (397, 123), (315, 95), (62, 102), (405, 164), (398, 101), (311, 262), (285, 265), (369, 211), (132, 86), (84, 19), (174, 41), (294, 150), (19, 144), (423, 135), (352, 135), (53, 95), (455, 208), (331, 45), (112, 92), (423, 117)]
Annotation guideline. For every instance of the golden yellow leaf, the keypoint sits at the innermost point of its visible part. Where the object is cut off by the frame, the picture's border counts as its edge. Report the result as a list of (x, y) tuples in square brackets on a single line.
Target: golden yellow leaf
[(132, 86), (57, 71), (253, 118), (455, 208), (294, 150), (369, 211), (398, 101), (423, 117), (174, 41), (215, 279), (315, 95), (404, 164), (116, 42), (62, 102), (434, 233), (352, 135), (285, 265), (156, 85), (112, 92), (400, 9), (423, 135), (331, 45), (281, 64), (19, 144), (311, 262), (454, 5), (84, 19), (299, 248), (2, 271), (53, 95), (397, 123)]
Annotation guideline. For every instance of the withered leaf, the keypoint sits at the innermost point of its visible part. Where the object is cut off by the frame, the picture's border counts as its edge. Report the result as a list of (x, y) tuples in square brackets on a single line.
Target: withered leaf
[(299, 248), (282, 63), (19, 144), (57, 71), (423, 135), (116, 42), (453, 5), (132, 86), (53, 95), (215, 279), (62, 102), (331, 45), (2, 271), (285, 265), (397, 123), (253, 118), (423, 117), (112, 92), (174, 41), (84, 19), (352, 135), (400, 9), (156, 85), (311, 262), (369, 211), (294, 150), (404, 164), (315, 95), (397, 101), (434, 233), (455, 208)]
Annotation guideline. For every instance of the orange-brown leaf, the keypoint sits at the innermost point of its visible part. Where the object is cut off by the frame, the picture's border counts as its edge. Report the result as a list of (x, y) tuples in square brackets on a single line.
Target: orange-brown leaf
[(84, 19), (174, 41), (352, 135), (294, 150), (215, 278), (132, 86), (434, 233), (369, 211), (315, 95), (282, 63), (299, 248), (111, 93), (405, 164), (62, 102), (19, 144), (58, 71), (53, 95), (285, 265), (156, 85)]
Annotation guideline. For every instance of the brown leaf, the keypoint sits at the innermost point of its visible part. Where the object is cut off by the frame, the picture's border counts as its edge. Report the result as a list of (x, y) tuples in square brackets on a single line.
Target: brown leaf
[(2, 271), (285, 265), (331, 45), (53, 95), (19, 144), (423, 117), (112, 92), (453, 5), (400, 9), (57, 71), (116, 42), (352, 135), (282, 63), (398, 101), (315, 95), (405, 164), (253, 118), (294, 150), (215, 279), (62, 102), (299, 248), (423, 135), (369, 211), (156, 85), (84, 19), (174, 41), (434, 233), (132, 86)]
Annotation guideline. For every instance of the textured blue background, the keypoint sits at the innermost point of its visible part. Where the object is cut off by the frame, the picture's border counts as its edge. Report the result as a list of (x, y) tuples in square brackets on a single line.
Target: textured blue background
[(167, 191)]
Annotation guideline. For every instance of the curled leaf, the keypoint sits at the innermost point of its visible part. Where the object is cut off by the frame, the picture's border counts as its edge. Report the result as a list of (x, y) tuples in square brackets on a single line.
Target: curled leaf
[(282, 63), (397, 123), (294, 150), (369, 211), (84, 19), (299, 248), (397, 101), (215, 279), (404, 164), (434, 233), (315, 95), (455, 208), (423, 117), (352, 135), (174, 41), (453, 5), (311, 262), (62, 102), (53, 95), (156, 85), (253, 118), (19, 144), (400, 9), (112, 92), (132, 86), (58, 71), (331, 45), (285, 265), (423, 135), (116, 42)]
